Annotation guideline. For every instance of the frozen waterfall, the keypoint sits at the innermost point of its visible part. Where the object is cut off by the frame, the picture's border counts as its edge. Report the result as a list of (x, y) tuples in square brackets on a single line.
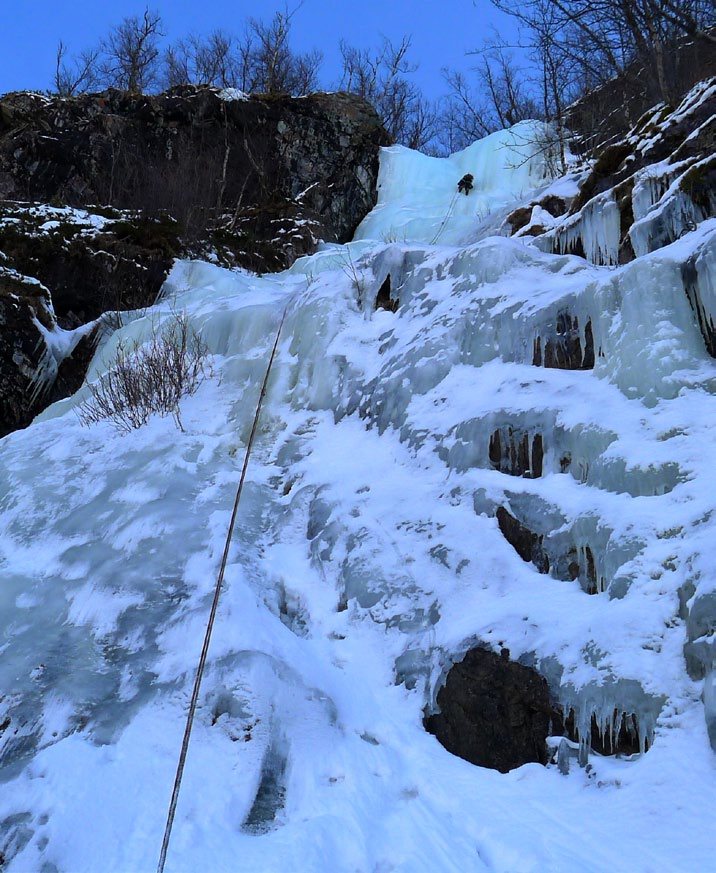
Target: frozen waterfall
[(368, 558)]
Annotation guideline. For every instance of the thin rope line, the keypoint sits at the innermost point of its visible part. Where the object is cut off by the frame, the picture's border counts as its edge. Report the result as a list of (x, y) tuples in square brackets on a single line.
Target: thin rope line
[(212, 615), (447, 215)]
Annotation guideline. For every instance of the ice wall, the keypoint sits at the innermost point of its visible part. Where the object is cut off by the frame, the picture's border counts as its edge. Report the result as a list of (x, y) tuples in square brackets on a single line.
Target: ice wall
[(417, 199)]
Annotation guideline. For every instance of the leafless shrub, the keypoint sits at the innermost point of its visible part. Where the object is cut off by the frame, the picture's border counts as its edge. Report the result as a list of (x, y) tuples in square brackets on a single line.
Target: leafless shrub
[(147, 378), (349, 268)]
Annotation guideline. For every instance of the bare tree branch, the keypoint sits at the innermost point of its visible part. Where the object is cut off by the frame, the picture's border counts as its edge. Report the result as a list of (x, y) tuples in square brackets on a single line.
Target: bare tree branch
[(130, 54)]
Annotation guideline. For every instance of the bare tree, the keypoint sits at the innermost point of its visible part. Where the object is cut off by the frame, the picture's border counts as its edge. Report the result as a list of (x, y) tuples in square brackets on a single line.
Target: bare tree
[(420, 125), (539, 92), (262, 61), (212, 60), (505, 84), (130, 54), (270, 66), (465, 115), (178, 67), (619, 33), (380, 77), (500, 96), (271, 55), (77, 75), (218, 61)]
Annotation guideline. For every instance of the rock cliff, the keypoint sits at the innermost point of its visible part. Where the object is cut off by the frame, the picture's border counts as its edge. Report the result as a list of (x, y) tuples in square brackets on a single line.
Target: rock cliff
[(197, 152), (99, 193), (638, 194)]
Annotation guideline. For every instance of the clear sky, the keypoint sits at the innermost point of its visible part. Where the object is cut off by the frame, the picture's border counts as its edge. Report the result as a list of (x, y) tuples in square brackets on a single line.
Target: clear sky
[(442, 30)]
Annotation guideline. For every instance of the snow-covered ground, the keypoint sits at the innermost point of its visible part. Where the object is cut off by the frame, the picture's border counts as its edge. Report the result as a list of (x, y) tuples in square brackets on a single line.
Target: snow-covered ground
[(367, 559)]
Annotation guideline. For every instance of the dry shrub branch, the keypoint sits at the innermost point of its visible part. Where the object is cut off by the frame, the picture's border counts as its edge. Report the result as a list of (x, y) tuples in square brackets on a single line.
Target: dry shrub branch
[(148, 377)]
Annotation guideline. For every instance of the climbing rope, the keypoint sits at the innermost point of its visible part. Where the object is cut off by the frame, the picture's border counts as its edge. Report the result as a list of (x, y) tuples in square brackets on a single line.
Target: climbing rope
[(444, 221), (212, 614)]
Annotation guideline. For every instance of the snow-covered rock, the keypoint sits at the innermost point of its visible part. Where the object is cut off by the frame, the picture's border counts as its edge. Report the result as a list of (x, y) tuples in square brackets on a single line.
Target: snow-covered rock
[(647, 190)]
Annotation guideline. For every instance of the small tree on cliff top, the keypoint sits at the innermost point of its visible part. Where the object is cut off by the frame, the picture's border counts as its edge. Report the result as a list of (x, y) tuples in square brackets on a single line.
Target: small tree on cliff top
[(129, 56)]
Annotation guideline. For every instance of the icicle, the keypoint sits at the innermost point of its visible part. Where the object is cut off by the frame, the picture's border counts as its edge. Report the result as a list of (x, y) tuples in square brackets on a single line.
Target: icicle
[(45, 372), (709, 697), (594, 232), (612, 709), (675, 215), (564, 753)]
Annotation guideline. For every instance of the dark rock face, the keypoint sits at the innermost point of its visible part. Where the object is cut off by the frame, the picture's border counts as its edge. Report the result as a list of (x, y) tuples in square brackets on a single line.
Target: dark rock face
[(520, 217), (525, 542), (550, 547), (189, 152), (511, 451), (92, 262), (561, 348), (26, 361), (383, 299), (253, 182), (494, 712)]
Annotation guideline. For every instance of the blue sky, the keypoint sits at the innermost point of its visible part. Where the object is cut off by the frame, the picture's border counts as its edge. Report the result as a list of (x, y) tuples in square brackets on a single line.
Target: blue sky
[(441, 31)]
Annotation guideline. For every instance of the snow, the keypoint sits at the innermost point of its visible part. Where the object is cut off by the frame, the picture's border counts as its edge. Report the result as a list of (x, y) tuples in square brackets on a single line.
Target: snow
[(232, 94), (666, 212), (50, 218), (367, 559)]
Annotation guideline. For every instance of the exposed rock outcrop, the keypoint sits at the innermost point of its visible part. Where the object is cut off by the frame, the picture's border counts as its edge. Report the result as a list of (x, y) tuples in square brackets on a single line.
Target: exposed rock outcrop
[(562, 348), (92, 260), (193, 153), (28, 364), (512, 451), (525, 542), (494, 712), (499, 713), (645, 191), (523, 218), (384, 300), (100, 193)]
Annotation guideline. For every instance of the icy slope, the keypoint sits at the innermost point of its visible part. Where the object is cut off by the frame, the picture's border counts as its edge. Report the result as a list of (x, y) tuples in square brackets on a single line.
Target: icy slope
[(367, 559), (417, 195)]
